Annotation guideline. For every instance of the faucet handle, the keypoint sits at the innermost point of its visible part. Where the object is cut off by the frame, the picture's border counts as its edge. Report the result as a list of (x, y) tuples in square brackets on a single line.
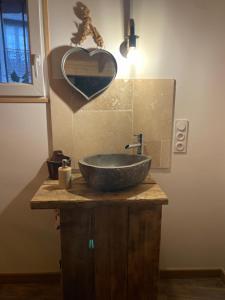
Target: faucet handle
[(139, 137)]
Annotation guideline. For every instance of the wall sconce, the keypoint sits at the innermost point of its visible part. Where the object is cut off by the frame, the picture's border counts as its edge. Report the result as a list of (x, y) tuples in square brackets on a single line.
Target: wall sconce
[(131, 51), (132, 37), (128, 46)]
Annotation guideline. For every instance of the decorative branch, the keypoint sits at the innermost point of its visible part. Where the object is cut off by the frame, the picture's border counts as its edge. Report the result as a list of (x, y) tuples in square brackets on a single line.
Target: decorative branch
[(85, 28)]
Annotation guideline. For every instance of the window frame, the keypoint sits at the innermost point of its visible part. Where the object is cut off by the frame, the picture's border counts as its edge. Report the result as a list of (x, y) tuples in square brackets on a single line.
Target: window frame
[(36, 37)]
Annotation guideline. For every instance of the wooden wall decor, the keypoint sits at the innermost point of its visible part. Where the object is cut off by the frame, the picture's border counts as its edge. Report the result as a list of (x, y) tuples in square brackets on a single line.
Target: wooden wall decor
[(85, 28)]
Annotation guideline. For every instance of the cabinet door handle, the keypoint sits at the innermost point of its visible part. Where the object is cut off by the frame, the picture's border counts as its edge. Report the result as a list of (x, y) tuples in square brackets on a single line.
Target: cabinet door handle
[(91, 244)]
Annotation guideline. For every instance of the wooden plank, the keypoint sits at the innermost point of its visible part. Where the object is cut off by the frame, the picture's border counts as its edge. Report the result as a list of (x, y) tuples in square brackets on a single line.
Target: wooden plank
[(192, 289), (50, 196), (190, 273), (164, 274), (111, 253), (77, 257), (30, 278), (23, 100), (195, 289), (143, 253), (222, 275)]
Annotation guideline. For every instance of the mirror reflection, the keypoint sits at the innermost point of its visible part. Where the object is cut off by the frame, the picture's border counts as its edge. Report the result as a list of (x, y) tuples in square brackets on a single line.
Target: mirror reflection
[(89, 71)]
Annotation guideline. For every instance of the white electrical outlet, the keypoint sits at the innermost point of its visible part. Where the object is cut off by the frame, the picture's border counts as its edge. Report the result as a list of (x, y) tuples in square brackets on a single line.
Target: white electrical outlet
[(180, 136)]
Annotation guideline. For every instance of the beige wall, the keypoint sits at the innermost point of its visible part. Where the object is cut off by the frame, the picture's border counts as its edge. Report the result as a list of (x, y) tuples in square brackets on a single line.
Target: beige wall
[(179, 39), (28, 239)]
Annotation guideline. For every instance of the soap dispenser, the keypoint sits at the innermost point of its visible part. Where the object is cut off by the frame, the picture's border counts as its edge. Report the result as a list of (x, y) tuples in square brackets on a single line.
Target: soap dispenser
[(64, 175)]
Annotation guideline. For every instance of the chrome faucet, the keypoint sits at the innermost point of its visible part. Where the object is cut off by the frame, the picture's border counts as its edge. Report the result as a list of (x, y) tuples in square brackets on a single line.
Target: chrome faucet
[(139, 145)]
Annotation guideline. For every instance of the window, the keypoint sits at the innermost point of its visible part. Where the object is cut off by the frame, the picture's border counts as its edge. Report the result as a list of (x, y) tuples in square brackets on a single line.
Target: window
[(21, 48)]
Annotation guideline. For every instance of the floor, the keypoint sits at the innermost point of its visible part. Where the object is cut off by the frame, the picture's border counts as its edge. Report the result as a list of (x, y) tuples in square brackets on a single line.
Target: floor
[(170, 289), (29, 291), (192, 289)]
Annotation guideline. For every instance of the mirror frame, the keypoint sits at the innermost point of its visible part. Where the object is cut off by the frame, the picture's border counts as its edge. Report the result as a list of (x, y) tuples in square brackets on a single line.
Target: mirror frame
[(90, 52)]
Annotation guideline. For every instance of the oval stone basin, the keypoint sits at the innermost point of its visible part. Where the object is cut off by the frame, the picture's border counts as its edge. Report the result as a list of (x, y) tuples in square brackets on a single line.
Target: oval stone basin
[(114, 172)]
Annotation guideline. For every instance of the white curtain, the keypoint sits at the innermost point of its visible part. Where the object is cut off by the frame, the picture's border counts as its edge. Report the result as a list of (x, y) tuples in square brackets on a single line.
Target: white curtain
[(14, 40)]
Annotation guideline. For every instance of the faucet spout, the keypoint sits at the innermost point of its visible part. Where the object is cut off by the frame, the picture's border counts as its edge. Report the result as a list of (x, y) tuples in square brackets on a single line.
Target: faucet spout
[(138, 145), (129, 146)]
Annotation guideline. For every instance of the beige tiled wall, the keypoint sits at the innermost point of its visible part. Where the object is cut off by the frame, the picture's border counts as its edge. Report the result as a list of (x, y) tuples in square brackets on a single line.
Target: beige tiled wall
[(107, 123), (153, 116)]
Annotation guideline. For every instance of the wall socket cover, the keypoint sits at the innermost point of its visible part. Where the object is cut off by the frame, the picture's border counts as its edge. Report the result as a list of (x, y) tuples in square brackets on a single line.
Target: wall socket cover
[(181, 125), (180, 135)]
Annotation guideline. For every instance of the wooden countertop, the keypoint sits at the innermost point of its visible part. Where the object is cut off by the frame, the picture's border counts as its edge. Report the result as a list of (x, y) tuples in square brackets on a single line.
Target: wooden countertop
[(49, 196)]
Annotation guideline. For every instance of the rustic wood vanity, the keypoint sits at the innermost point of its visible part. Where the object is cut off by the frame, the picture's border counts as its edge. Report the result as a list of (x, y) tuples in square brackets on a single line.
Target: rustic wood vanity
[(109, 241)]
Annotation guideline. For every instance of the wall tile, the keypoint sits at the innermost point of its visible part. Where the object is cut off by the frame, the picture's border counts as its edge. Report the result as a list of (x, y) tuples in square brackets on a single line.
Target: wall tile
[(117, 97), (109, 121), (153, 104), (100, 132), (153, 149), (153, 108)]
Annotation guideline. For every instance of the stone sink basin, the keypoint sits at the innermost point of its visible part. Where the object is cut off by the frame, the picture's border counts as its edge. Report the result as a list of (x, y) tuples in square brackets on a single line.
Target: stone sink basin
[(114, 172)]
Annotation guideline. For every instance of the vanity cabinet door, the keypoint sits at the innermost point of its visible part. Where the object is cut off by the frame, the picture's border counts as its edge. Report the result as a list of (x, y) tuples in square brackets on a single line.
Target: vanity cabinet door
[(143, 252), (77, 255), (111, 252)]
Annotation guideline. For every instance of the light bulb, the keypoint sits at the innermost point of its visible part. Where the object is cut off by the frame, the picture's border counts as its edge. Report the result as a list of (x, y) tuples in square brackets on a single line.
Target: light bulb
[(132, 55)]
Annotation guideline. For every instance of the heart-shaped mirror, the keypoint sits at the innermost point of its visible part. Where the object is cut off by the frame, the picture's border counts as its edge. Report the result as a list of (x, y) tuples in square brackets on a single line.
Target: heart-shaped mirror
[(89, 72)]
